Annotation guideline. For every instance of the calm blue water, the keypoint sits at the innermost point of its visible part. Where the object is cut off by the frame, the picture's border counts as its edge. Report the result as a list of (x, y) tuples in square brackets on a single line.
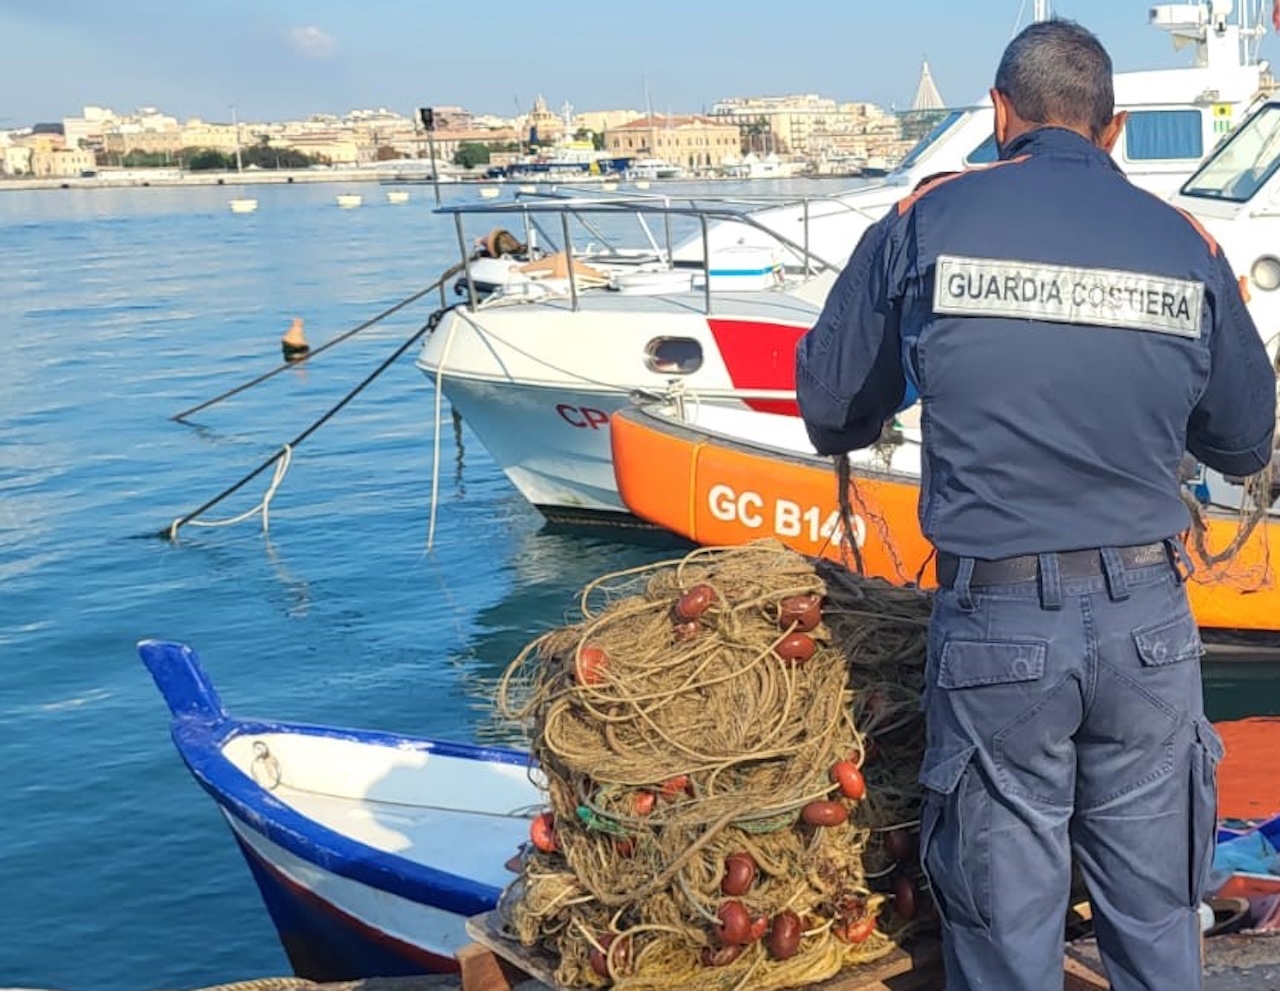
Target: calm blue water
[(122, 307)]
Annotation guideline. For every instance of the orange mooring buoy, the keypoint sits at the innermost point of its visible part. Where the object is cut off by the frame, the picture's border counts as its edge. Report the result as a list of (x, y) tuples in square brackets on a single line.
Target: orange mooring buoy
[(294, 343)]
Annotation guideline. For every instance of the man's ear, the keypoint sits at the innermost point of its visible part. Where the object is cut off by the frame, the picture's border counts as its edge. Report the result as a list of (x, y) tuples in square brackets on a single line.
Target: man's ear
[(1111, 133), (1001, 104)]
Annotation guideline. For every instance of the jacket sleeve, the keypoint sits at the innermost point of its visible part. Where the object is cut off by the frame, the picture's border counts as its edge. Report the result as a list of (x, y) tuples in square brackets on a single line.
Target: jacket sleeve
[(849, 376), (1232, 426)]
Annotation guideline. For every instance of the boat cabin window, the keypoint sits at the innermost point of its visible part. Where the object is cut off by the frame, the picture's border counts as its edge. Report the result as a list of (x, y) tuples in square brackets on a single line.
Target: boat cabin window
[(930, 139), (1241, 166), (985, 153), (1151, 135), (673, 355)]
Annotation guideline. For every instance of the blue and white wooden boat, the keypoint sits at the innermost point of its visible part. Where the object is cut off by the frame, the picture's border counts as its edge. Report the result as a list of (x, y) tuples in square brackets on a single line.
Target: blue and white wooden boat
[(370, 850)]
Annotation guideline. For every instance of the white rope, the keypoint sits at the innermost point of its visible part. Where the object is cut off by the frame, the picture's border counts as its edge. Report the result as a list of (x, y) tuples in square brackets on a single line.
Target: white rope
[(263, 507), (435, 453)]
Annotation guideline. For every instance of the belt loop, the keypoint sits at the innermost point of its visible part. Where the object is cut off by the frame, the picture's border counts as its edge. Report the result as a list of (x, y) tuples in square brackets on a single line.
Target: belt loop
[(1113, 569), (1179, 559), (964, 593), (1050, 581)]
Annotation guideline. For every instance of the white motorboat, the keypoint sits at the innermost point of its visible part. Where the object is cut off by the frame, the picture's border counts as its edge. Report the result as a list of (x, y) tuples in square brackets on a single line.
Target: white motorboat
[(348, 201), (653, 168), (243, 204), (713, 300)]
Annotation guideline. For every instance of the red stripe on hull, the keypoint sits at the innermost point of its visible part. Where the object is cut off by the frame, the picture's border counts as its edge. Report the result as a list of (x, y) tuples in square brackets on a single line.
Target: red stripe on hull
[(759, 356)]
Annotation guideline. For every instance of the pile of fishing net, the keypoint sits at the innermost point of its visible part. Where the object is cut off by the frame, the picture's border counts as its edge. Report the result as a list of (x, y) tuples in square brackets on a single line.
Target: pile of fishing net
[(730, 745)]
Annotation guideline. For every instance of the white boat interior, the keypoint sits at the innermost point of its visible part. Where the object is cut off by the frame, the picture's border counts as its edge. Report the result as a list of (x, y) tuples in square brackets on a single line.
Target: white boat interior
[(461, 816)]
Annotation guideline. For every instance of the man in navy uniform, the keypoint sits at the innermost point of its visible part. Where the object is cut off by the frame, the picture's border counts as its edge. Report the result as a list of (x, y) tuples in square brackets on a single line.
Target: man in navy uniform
[(1069, 336)]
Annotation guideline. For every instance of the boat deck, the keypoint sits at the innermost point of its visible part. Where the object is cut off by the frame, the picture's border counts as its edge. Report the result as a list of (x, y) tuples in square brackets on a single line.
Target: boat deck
[(799, 303), (465, 843)]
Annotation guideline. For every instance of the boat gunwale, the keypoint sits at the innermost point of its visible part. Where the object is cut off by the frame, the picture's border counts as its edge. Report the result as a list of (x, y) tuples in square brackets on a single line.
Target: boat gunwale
[(200, 737)]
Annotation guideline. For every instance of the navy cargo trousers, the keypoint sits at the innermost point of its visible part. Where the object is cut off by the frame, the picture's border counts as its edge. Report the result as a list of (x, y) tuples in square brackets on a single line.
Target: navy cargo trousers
[(1065, 717)]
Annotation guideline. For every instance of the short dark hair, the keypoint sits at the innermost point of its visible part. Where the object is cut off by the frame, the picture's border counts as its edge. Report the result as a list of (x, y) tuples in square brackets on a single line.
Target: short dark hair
[(1056, 72)]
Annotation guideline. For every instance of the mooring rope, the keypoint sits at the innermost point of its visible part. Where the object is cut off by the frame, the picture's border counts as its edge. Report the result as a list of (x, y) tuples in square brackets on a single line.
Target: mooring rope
[(407, 301), (171, 531), (263, 507), (435, 444)]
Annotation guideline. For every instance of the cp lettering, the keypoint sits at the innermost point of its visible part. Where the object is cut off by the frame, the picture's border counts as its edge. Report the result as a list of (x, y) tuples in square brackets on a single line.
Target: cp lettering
[(582, 417)]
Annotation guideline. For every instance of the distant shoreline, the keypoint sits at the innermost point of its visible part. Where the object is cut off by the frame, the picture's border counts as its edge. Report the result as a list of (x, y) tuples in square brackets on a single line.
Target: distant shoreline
[(172, 179), (137, 178)]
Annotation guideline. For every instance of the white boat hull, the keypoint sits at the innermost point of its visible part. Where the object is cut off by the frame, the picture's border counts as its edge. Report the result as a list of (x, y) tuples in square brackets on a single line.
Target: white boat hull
[(551, 441), (540, 401)]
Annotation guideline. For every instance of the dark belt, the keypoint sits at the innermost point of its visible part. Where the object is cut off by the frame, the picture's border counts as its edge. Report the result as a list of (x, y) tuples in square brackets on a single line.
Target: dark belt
[(1071, 564)]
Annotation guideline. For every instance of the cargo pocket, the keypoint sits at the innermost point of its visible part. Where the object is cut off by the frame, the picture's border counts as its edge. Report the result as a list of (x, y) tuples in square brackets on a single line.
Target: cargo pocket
[(1168, 642), (1206, 752), (973, 663), (954, 825)]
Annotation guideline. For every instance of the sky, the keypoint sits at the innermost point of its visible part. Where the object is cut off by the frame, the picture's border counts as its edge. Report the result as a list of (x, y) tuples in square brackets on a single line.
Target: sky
[(281, 59)]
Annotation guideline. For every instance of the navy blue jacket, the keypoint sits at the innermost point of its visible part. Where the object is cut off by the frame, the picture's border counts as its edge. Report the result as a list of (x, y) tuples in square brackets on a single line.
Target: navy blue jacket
[(1069, 334)]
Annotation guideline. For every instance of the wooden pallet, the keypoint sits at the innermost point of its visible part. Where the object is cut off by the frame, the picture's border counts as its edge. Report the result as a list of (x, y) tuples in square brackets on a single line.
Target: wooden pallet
[(495, 963)]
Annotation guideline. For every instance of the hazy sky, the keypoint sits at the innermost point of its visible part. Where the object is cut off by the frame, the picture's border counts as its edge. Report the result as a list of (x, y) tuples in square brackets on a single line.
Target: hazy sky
[(275, 59)]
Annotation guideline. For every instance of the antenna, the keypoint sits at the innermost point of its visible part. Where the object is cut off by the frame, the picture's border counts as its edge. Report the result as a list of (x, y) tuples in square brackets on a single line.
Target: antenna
[(236, 124), (1043, 11)]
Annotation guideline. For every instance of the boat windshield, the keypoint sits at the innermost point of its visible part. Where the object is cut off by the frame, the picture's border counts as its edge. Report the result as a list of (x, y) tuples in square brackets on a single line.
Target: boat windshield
[(1242, 166), (930, 139)]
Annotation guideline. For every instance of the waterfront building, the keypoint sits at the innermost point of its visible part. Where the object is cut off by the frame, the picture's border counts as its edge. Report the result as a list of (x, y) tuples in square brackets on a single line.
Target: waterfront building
[(45, 154), (599, 121), (15, 160), (692, 142), (542, 124)]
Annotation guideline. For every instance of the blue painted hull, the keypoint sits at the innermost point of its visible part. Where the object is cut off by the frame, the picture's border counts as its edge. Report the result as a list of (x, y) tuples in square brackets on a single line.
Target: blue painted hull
[(326, 945)]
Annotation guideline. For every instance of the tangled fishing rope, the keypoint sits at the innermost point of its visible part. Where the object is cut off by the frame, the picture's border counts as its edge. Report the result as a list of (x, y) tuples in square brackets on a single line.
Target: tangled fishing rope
[(1259, 493), (730, 745)]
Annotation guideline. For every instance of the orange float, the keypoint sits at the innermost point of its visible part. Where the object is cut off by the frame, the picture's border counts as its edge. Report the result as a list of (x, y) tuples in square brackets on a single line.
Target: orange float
[(716, 490)]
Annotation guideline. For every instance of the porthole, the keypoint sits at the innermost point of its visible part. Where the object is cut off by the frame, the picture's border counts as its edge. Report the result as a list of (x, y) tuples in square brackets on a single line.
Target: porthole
[(673, 355)]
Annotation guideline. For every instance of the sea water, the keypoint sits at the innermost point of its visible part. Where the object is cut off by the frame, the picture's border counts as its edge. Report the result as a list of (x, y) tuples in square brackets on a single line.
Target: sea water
[(118, 309)]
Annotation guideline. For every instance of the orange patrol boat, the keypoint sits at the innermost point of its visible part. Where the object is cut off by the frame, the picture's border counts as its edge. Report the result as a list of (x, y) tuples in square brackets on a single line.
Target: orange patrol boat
[(727, 476)]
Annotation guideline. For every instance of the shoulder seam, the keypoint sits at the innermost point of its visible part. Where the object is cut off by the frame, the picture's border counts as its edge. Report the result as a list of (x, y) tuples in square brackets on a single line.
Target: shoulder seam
[(1191, 219), (1194, 221), (905, 205)]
